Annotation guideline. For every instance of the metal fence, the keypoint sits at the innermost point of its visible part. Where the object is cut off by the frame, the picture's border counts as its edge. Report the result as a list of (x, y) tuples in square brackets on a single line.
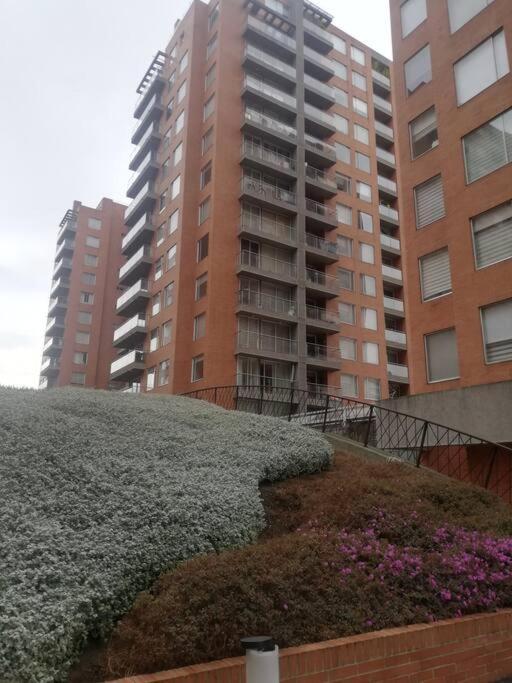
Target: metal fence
[(420, 442)]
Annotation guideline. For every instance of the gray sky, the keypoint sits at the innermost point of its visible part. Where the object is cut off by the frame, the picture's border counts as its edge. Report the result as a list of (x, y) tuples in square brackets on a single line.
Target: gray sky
[(68, 70)]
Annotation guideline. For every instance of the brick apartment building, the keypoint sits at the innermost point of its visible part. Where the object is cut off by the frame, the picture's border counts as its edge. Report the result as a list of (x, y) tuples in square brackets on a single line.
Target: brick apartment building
[(81, 315), (262, 241)]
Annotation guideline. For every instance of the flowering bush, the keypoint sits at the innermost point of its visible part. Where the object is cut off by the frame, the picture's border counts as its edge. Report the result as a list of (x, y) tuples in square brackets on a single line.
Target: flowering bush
[(101, 492)]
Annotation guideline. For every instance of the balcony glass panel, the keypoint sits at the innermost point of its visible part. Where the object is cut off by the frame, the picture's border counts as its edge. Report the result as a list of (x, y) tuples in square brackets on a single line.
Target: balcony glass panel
[(396, 337), (320, 176), (268, 227), (315, 56), (266, 342), (317, 277), (321, 352), (319, 145), (267, 264), (271, 32), (318, 86), (268, 191), (318, 114), (320, 209), (140, 286), (380, 78), (390, 242), (310, 27), (270, 123), (317, 313), (135, 323), (385, 130), (135, 229), (274, 158), (383, 155), (272, 62), (267, 302), (382, 103), (327, 247), (142, 142), (269, 90), (393, 304), (394, 273), (140, 194), (133, 260), (388, 212), (126, 360), (395, 370), (386, 183)]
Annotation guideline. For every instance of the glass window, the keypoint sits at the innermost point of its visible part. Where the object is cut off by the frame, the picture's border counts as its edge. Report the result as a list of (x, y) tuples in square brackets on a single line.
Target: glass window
[(206, 175), (342, 153), (357, 55), (204, 210), (89, 278), (348, 348), (418, 70), (159, 268), (492, 235), (155, 304), (174, 221), (340, 96), (372, 389), (344, 214), (197, 368), (369, 318), (201, 286), (82, 337), (358, 80), (363, 162), (341, 123), (367, 253), (182, 91), (489, 147), (210, 77), (461, 12), (364, 191), (497, 331), (423, 132), (183, 62), (371, 353), (339, 44), (168, 294), (150, 379), (429, 201), (84, 317), (349, 385), (177, 155), (347, 313), (202, 248), (343, 183), (361, 134), (211, 46), (435, 274), (91, 241), (346, 279), (209, 107), (180, 122), (340, 69), (163, 372), (160, 234), (90, 260), (162, 200), (207, 141), (360, 106), (172, 80), (365, 221), (175, 187), (199, 326), (368, 285), (78, 378), (153, 339), (86, 298), (213, 16), (441, 356), (344, 245), (94, 223), (413, 13), (171, 257), (80, 357), (481, 67)]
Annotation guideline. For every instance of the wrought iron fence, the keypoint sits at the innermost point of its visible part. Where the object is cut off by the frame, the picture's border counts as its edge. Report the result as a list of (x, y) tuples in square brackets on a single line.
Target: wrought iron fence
[(412, 439)]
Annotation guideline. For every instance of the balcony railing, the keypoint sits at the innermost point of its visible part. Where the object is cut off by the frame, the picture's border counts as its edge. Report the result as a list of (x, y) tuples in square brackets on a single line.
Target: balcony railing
[(320, 209), (65, 245), (270, 228), (318, 31), (270, 123), (316, 57), (387, 131), (150, 131), (267, 303), (134, 230), (391, 242), (56, 321), (146, 111), (125, 361), (140, 254), (50, 364), (156, 74), (318, 86), (266, 343), (267, 264), (317, 145), (141, 286), (398, 371), (327, 247), (318, 115), (382, 104), (322, 390), (396, 337), (63, 263), (60, 283), (135, 323), (381, 79), (272, 62), (271, 32), (318, 277), (147, 187), (387, 184), (142, 167), (275, 158), (53, 343), (390, 272), (321, 352), (321, 314), (319, 176), (388, 212), (385, 156), (270, 91), (268, 191), (393, 304)]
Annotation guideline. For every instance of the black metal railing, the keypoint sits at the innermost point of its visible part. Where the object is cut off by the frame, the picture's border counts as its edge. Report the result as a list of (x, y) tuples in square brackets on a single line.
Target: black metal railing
[(420, 442)]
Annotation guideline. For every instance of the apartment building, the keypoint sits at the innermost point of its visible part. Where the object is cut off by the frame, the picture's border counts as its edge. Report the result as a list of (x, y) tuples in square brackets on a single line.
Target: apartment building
[(453, 105), (78, 346), (263, 241)]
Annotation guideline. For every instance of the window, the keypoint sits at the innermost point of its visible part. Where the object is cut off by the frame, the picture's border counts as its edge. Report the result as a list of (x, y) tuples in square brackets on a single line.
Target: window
[(171, 257), (363, 162), (168, 294), (204, 210), (441, 356), (175, 187), (343, 183), (371, 353), (357, 55), (89, 278), (199, 326), (159, 268), (435, 275), (372, 389), (167, 139), (358, 80), (342, 153), (364, 191), (481, 67), (177, 155), (347, 313), (365, 221), (429, 201), (150, 379), (84, 317), (173, 222), (344, 245), (339, 44), (348, 348), (349, 385), (423, 132), (163, 373), (201, 286), (94, 223), (344, 214), (367, 253), (93, 242), (164, 172), (361, 134), (346, 279), (172, 80), (489, 147), (180, 122), (82, 337), (169, 109), (492, 235), (418, 70), (369, 318), (207, 141), (160, 234), (202, 248), (213, 16), (78, 378), (80, 357), (360, 107), (340, 96), (497, 331), (183, 62), (161, 201), (209, 107), (368, 285), (86, 298), (206, 175), (339, 69), (153, 339), (211, 46), (197, 368), (155, 304), (341, 123), (210, 77), (182, 91), (461, 12), (90, 260), (413, 13)]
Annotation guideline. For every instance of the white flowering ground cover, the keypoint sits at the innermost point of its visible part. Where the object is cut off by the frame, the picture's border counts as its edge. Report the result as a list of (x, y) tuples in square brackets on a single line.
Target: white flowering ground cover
[(100, 492)]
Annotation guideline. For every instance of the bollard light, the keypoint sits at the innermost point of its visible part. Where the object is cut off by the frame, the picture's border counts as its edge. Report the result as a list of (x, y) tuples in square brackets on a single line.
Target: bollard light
[(261, 659)]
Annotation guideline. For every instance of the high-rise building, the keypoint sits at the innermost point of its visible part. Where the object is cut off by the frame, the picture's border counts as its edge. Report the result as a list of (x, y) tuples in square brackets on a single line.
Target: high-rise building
[(262, 239), (81, 315), (453, 112)]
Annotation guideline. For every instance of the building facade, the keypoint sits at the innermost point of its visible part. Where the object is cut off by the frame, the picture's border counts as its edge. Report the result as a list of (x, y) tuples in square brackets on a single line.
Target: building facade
[(263, 242), (453, 105), (78, 346)]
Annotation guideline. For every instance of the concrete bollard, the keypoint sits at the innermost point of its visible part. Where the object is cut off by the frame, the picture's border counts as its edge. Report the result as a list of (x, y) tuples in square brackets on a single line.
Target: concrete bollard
[(261, 659)]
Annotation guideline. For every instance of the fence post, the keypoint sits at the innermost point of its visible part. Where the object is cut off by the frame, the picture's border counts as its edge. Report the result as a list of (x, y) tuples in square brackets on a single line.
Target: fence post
[(290, 411), (325, 412), (236, 397), (260, 405), (491, 465), (368, 428), (422, 443)]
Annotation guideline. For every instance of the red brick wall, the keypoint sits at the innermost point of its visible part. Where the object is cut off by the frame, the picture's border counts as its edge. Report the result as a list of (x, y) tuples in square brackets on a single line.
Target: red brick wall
[(469, 649)]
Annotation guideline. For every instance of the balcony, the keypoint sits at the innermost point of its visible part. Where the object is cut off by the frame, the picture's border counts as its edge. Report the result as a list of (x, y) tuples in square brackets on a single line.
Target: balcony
[(53, 346), (381, 80), (265, 64), (396, 339), (266, 304), (321, 283), (127, 367), (263, 159), (267, 194), (50, 366), (149, 141), (321, 250), (65, 248), (55, 324), (389, 244), (387, 159), (270, 37), (385, 132), (266, 345), (255, 122), (150, 115), (142, 204), (391, 275), (59, 286), (317, 93), (152, 82), (318, 123), (320, 183), (131, 332), (387, 187), (57, 306), (134, 299), (62, 266), (398, 373), (324, 356), (315, 64), (268, 231), (263, 92), (267, 267), (68, 226), (320, 216), (148, 170), (136, 267), (320, 319), (317, 37), (320, 153), (388, 214), (394, 306), (141, 233), (382, 105)]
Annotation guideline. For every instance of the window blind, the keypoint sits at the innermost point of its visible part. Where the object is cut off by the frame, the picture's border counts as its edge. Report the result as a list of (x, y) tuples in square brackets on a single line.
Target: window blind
[(497, 329), (429, 198), (492, 233), (436, 278), (489, 147)]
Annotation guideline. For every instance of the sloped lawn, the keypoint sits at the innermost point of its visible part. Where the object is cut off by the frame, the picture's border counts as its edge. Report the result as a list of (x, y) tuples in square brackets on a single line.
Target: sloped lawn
[(102, 492)]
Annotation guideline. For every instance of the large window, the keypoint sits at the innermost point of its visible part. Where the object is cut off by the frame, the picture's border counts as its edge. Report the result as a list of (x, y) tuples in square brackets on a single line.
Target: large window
[(371, 353), (367, 253), (489, 147), (344, 214), (209, 107), (363, 162), (349, 386), (364, 191), (341, 123), (413, 13), (197, 368), (418, 70), (345, 245), (342, 152), (340, 96), (361, 134), (346, 279), (372, 389), (435, 275), (461, 11), (429, 201), (348, 348), (347, 313), (163, 372), (481, 67), (199, 326), (175, 187), (497, 331), (202, 248), (492, 235), (357, 55), (360, 107), (423, 131), (368, 285), (339, 69), (365, 221), (441, 356), (201, 286), (358, 80), (369, 318)]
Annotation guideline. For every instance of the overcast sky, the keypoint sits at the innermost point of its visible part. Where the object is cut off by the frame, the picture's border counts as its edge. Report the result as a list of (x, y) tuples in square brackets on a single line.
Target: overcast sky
[(68, 70)]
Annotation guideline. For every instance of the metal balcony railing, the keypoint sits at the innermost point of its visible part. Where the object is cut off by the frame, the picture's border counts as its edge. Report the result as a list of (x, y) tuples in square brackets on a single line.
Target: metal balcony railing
[(322, 352), (272, 62), (388, 212), (319, 176), (270, 123), (268, 191), (147, 109), (262, 153), (391, 242), (267, 264), (317, 145), (393, 304), (382, 104), (320, 209), (327, 247), (275, 228), (266, 343), (267, 303), (318, 277), (321, 314), (387, 184), (270, 91)]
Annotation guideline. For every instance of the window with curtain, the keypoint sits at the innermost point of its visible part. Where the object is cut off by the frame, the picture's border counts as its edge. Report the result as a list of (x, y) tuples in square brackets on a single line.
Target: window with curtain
[(348, 348), (345, 245), (344, 214), (341, 123), (349, 386), (371, 353), (435, 274), (423, 131), (413, 13), (481, 67), (429, 202), (369, 318), (461, 11), (489, 147), (368, 285), (442, 358), (346, 279), (492, 235), (418, 70), (361, 134), (497, 331), (347, 313), (342, 152), (372, 389), (339, 69), (367, 253)]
